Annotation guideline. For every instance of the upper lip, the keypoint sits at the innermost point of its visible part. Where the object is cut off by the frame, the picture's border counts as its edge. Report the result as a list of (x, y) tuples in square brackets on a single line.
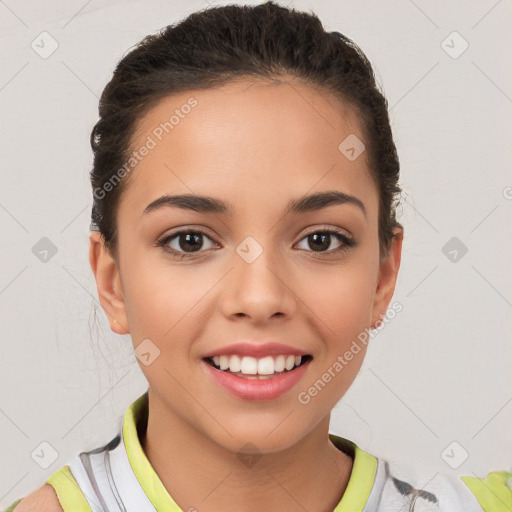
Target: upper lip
[(256, 350)]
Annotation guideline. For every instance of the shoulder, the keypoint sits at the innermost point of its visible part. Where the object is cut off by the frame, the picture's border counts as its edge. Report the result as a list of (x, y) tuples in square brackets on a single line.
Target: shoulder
[(43, 499), (494, 492), (447, 492)]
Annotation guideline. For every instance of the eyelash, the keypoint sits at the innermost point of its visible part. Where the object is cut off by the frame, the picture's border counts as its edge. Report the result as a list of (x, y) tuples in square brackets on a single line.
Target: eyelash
[(348, 243)]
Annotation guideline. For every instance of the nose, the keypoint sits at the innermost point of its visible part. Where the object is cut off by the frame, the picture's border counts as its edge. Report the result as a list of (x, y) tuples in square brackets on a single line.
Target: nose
[(259, 286)]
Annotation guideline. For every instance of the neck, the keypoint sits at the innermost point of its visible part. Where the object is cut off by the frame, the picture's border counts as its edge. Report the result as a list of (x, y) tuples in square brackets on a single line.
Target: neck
[(201, 475)]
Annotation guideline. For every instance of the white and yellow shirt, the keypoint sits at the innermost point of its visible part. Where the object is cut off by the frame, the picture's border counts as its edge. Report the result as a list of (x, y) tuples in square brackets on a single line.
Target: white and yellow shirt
[(118, 477)]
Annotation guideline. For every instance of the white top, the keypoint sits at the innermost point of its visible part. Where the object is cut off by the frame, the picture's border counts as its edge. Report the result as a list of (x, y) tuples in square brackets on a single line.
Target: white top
[(118, 477)]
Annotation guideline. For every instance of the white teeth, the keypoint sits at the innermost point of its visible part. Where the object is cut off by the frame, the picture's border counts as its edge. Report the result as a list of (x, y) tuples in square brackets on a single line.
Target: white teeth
[(266, 366), (253, 366), (290, 362), (224, 363), (279, 364), (235, 364), (249, 365)]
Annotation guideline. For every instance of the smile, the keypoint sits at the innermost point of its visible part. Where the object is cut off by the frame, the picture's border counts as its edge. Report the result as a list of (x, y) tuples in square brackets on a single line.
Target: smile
[(252, 366), (250, 378)]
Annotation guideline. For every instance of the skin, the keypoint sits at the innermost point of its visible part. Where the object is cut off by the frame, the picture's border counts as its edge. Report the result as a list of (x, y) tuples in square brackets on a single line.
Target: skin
[(257, 145), (43, 499)]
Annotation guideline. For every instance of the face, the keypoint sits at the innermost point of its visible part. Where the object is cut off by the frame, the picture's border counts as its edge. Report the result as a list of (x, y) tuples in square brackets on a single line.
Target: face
[(256, 272)]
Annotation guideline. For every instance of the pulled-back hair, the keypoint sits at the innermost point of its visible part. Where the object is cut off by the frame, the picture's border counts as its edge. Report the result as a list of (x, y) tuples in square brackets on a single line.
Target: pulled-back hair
[(220, 44)]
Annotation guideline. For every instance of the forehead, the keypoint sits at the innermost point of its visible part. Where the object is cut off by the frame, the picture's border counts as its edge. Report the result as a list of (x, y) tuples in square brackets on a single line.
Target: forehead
[(246, 139)]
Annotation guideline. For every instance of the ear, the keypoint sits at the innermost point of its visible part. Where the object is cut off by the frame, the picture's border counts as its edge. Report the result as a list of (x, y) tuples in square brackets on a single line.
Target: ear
[(108, 282), (388, 273)]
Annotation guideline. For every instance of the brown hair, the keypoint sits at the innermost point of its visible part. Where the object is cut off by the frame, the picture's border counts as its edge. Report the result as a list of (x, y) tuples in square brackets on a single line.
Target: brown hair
[(219, 44)]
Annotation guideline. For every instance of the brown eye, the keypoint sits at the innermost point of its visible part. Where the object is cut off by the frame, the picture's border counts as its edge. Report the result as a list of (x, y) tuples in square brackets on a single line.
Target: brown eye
[(184, 242), (321, 241)]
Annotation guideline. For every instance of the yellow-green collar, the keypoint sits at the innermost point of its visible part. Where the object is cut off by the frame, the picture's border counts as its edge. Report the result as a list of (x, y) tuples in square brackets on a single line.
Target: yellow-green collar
[(353, 500)]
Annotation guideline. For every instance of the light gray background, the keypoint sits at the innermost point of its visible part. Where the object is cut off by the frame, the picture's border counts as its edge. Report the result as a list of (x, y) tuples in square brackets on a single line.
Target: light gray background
[(438, 373)]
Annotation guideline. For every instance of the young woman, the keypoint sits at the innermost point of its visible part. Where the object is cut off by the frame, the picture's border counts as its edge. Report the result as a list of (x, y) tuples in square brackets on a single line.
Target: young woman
[(244, 234)]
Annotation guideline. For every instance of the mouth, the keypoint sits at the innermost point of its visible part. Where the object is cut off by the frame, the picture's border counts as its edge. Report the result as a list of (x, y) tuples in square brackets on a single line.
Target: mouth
[(264, 379), (252, 368)]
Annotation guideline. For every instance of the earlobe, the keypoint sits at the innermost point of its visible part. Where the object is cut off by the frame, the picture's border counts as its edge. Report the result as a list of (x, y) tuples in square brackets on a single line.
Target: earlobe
[(108, 283), (388, 273)]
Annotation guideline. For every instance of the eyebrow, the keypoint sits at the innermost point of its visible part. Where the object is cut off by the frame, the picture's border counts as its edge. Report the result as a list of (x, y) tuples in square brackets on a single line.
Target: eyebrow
[(206, 204)]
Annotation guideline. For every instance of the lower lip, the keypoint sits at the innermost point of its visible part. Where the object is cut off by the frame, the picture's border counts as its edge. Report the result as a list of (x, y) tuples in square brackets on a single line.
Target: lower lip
[(257, 389)]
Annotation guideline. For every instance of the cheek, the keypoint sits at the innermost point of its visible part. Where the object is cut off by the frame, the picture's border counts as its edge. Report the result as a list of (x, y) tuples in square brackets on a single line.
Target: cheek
[(340, 313), (341, 298), (164, 298)]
